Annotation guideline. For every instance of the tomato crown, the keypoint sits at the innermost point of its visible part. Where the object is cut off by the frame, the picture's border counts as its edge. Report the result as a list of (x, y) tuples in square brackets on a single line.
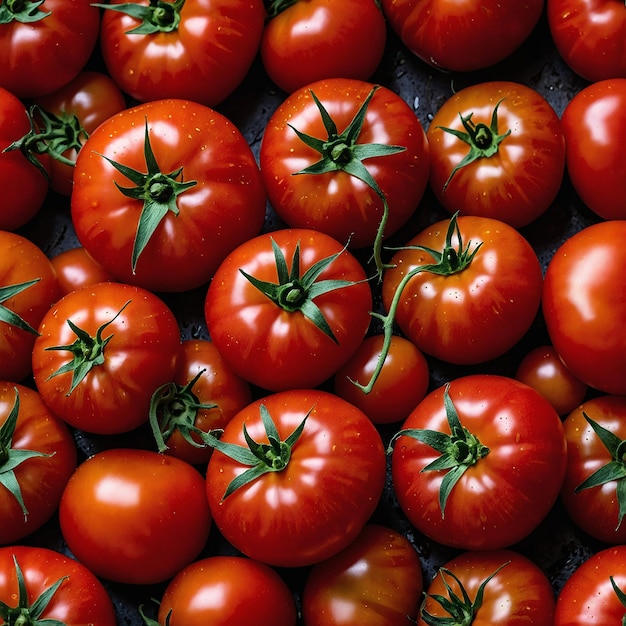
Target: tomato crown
[(158, 17), (24, 11), (10, 317)]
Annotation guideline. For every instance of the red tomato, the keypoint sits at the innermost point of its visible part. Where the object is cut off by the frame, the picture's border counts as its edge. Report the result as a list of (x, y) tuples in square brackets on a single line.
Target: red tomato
[(79, 598), (497, 149), (584, 305), (227, 591), (76, 268), (101, 352), (598, 506), (462, 35), (594, 123), (44, 46), (503, 588), (312, 493), (401, 385), (196, 50), (589, 595), (375, 581), (28, 288), (135, 516), (194, 180), (590, 35), (542, 369), (481, 305), (307, 41), (496, 478), (37, 458), (280, 342)]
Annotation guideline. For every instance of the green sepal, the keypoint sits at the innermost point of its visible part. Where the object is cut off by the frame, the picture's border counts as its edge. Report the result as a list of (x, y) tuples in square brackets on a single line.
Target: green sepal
[(158, 17), (274, 7), (23, 11), (148, 621), (621, 596), (10, 317)]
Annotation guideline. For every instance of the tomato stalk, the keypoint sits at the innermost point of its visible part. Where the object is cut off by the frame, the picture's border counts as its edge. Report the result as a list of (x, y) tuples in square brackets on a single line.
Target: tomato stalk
[(10, 317), (24, 11), (158, 17)]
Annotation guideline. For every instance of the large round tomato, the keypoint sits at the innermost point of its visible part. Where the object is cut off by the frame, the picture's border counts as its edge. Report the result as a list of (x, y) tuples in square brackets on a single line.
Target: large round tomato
[(135, 516), (288, 308), (57, 590), (101, 353), (163, 192), (480, 300), (590, 35), (375, 581), (497, 149), (309, 488), (37, 458), (196, 50), (584, 305), (462, 35), (594, 123), (307, 41), (479, 463)]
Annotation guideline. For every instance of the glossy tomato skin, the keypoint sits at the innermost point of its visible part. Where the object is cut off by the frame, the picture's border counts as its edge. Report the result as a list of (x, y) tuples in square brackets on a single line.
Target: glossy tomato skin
[(135, 516), (451, 34), (81, 598), (309, 41), (42, 479), (227, 591), (596, 509), (375, 581), (225, 208), (520, 593), (594, 123), (584, 305), (588, 596), (23, 261), (320, 502), (39, 57), (338, 203), (141, 355), (204, 59), (519, 182), (76, 268), (476, 314), (505, 495), (589, 35), (273, 348)]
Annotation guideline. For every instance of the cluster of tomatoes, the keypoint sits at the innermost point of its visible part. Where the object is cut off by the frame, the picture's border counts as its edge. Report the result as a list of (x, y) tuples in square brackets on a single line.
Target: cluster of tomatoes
[(311, 312)]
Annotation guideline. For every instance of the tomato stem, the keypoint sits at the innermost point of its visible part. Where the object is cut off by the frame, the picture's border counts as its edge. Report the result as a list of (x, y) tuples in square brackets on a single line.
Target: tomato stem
[(24, 11), (159, 16)]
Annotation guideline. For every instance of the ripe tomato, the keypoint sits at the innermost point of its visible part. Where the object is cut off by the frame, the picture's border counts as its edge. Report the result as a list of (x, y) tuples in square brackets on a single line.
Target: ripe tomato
[(44, 46), (375, 581), (227, 591), (101, 352), (197, 50), (453, 34), (135, 516), (56, 589), (503, 588), (192, 194), (311, 490), (495, 478), (584, 305), (37, 458), (589, 595), (497, 149), (76, 268), (312, 320), (590, 35), (483, 301), (594, 123), (28, 288), (304, 42)]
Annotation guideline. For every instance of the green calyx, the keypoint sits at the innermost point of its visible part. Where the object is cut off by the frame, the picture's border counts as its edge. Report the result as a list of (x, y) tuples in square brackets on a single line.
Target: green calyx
[(87, 351), (10, 317), (483, 140), (274, 7), (461, 609), (621, 597), (294, 292), (24, 11), (148, 621), (159, 16), (158, 192), (25, 614), (459, 450), (615, 470), (340, 152), (260, 458)]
